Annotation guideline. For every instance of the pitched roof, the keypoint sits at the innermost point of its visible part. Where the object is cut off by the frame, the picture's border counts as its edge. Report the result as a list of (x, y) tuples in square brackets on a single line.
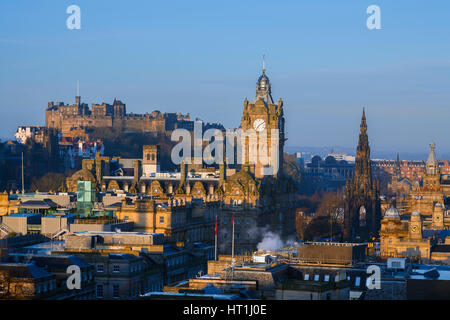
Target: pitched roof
[(24, 271)]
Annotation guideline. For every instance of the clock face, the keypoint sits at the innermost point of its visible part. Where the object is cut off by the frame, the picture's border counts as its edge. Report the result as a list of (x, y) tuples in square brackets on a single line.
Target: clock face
[(414, 229), (259, 124)]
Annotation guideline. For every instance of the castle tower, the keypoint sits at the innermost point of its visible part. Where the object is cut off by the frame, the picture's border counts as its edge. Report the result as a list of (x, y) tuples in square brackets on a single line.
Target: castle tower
[(362, 191), (262, 125), (150, 160), (119, 109)]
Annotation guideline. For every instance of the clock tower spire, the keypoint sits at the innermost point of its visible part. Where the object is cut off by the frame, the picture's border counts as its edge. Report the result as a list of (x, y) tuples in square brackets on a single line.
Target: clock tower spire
[(263, 87)]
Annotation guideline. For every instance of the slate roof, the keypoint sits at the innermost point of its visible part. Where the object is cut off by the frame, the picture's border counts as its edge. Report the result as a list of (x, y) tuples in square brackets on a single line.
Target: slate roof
[(442, 234), (441, 248), (41, 204), (25, 271)]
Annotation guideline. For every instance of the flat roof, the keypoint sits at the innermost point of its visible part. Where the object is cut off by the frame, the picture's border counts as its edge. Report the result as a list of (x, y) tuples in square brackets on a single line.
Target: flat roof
[(333, 244), (72, 215), (444, 272), (185, 294), (125, 233)]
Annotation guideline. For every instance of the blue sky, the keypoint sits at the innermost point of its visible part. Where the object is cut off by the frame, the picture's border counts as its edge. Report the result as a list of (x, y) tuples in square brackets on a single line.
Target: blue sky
[(204, 57)]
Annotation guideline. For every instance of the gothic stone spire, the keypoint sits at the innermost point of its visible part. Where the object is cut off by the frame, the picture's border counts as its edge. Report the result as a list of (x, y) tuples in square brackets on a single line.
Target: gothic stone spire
[(362, 190)]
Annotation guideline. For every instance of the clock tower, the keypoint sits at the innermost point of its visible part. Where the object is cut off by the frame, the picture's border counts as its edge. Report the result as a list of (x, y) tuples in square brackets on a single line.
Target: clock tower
[(415, 226), (438, 217), (263, 136)]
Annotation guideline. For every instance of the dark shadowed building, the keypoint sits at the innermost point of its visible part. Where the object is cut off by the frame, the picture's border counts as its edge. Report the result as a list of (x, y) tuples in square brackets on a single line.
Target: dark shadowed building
[(362, 192)]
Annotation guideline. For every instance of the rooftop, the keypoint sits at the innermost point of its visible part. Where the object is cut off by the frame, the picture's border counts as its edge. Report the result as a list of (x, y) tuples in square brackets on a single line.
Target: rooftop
[(127, 233), (24, 270)]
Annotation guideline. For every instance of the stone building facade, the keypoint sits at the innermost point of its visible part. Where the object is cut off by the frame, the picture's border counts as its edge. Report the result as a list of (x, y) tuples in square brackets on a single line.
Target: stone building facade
[(259, 201), (403, 238), (66, 118), (423, 195)]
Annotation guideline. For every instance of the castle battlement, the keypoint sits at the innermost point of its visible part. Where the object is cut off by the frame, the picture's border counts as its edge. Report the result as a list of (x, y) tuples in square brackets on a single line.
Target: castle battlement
[(65, 117)]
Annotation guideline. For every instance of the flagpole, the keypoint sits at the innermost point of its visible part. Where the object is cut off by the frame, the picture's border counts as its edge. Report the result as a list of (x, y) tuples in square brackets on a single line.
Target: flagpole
[(215, 241), (232, 247), (23, 187)]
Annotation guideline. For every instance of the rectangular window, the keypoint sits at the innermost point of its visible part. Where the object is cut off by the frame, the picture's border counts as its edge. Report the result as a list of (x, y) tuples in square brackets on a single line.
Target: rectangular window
[(306, 277), (99, 291), (115, 291), (357, 281), (161, 219), (100, 268), (316, 277), (327, 278), (116, 268)]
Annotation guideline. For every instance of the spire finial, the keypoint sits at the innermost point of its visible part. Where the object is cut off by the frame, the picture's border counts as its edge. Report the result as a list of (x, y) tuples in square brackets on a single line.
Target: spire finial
[(264, 63), (432, 146), (363, 119), (78, 88)]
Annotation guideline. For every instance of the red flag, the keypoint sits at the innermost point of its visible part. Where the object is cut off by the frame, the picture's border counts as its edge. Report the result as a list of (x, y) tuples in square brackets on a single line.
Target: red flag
[(232, 218), (215, 230)]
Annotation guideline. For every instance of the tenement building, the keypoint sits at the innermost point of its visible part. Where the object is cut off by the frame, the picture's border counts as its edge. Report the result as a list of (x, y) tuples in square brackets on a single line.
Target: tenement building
[(256, 192)]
